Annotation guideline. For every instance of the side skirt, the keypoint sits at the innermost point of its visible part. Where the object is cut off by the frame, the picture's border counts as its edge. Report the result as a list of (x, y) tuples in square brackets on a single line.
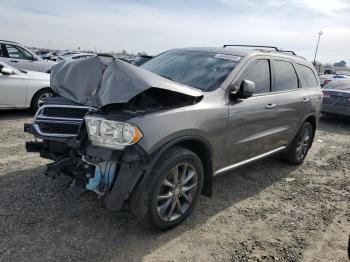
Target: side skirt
[(227, 168)]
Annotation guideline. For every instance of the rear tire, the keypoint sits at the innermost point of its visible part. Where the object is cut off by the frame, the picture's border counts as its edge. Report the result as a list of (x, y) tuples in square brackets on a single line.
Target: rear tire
[(39, 97), (162, 202), (300, 145)]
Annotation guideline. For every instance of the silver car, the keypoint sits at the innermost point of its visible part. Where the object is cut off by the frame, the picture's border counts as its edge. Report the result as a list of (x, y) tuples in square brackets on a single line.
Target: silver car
[(336, 98), (16, 55), (23, 89), (153, 137)]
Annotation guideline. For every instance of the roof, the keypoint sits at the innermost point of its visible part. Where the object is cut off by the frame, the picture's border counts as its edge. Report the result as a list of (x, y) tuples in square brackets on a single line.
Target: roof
[(10, 42), (245, 52)]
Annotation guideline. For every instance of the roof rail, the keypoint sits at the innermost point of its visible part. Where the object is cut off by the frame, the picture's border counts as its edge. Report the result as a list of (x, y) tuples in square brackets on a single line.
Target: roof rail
[(260, 46), (288, 51)]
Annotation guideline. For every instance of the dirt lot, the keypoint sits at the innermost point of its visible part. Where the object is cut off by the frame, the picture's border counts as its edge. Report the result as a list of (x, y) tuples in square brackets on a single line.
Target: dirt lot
[(268, 211)]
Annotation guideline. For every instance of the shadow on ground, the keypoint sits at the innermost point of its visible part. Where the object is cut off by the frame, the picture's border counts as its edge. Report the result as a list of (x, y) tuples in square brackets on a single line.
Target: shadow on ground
[(39, 220), (15, 114), (335, 124)]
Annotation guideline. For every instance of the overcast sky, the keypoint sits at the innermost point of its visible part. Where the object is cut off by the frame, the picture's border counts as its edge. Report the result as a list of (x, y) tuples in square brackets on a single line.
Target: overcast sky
[(156, 25)]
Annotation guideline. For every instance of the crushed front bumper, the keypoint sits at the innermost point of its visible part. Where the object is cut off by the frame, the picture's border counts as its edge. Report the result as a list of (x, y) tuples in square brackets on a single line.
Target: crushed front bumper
[(112, 174)]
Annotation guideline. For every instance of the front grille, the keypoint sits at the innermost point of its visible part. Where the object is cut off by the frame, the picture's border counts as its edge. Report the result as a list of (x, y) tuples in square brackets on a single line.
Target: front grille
[(60, 121), (65, 112), (59, 128)]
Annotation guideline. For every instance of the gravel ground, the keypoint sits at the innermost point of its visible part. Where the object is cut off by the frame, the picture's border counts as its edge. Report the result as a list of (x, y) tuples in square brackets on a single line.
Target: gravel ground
[(268, 211)]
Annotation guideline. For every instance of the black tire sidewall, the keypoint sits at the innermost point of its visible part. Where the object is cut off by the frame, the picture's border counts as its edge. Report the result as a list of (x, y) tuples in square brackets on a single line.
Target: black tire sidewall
[(295, 144), (34, 103), (158, 178)]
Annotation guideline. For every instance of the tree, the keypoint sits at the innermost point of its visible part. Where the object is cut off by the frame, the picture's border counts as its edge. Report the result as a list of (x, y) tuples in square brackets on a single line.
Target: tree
[(342, 63)]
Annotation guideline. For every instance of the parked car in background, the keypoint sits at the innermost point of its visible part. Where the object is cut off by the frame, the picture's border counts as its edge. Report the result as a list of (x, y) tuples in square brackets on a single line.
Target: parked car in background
[(141, 59), (44, 54), (153, 137), (23, 89), (325, 79), (57, 55), (346, 73), (18, 56), (74, 57), (125, 59), (336, 98)]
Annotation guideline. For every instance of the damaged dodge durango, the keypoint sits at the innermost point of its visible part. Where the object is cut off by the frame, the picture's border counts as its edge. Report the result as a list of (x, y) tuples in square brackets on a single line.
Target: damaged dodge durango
[(151, 138)]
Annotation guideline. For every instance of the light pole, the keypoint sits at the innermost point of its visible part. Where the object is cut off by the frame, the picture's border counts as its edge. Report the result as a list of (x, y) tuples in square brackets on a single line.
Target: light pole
[(318, 42)]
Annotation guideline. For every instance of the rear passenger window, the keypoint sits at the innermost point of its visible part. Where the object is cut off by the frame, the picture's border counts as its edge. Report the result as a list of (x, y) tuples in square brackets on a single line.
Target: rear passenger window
[(259, 73), (308, 75), (285, 76)]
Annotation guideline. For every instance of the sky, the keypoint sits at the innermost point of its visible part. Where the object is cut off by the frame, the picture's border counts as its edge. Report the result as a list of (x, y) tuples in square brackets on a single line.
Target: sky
[(157, 25)]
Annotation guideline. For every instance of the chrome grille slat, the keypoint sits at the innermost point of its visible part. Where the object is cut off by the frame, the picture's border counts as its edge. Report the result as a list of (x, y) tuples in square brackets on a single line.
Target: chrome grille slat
[(60, 125)]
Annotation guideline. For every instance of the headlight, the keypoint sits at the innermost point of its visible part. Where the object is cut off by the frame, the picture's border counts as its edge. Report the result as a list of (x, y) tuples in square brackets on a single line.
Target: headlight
[(112, 134)]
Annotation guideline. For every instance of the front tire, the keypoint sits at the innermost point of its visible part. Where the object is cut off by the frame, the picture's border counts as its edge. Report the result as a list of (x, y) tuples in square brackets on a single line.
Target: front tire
[(171, 191), (300, 146)]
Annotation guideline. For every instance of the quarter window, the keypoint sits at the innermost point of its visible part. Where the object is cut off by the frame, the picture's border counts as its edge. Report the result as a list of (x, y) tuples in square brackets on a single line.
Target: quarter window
[(259, 73), (308, 75)]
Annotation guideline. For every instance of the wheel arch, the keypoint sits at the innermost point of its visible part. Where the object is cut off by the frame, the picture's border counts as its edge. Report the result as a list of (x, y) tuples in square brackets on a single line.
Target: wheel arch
[(36, 92), (201, 147), (312, 119)]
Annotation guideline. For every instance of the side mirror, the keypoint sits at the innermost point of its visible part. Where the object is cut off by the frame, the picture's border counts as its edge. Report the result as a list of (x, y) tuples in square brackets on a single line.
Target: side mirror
[(246, 89), (7, 71)]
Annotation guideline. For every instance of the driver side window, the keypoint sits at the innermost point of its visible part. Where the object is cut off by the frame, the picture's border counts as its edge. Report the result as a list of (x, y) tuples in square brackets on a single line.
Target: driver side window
[(18, 52), (259, 73)]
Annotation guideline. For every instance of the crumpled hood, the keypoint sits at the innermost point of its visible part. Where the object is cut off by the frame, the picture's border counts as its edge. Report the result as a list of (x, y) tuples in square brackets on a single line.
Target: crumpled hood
[(100, 81)]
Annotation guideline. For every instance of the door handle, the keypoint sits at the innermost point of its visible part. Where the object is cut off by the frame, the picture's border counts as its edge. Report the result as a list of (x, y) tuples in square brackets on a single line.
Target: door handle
[(305, 100), (270, 106), (14, 61)]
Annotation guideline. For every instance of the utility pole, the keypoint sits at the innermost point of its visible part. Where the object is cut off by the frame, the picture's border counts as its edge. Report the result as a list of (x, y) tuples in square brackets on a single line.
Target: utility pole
[(318, 42)]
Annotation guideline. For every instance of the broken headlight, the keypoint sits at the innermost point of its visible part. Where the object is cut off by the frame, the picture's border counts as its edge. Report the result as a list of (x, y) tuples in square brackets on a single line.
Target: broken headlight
[(112, 134)]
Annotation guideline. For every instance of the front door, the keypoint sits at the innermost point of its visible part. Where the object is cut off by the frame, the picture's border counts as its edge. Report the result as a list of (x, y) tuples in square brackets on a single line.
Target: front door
[(13, 90), (251, 124)]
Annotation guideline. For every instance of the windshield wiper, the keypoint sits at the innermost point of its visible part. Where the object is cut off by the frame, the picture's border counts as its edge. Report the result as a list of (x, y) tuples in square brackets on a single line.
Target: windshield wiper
[(167, 77)]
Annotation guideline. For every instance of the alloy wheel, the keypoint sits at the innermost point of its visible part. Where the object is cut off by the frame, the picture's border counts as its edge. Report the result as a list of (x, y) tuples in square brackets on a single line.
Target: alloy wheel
[(43, 97), (303, 143), (177, 192)]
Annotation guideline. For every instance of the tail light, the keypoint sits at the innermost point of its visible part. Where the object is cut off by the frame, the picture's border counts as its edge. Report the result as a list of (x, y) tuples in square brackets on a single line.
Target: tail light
[(326, 94), (326, 82)]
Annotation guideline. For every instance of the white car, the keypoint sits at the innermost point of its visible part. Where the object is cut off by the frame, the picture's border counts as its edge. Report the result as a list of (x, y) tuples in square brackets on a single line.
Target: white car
[(18, 56), (325, 79), (23, 89)]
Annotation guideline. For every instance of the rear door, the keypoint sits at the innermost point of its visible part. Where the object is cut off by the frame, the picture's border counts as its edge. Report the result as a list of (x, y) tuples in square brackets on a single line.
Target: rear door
[(291, 99), (312, 99), (251, 124)]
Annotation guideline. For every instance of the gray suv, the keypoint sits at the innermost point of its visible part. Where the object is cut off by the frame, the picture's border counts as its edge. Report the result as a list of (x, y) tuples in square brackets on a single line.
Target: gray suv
[(152, 137), (16, 55)]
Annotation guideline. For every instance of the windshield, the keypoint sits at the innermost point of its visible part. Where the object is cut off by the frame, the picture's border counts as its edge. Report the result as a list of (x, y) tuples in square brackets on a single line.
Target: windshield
[(339, 85), (202, 70)]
